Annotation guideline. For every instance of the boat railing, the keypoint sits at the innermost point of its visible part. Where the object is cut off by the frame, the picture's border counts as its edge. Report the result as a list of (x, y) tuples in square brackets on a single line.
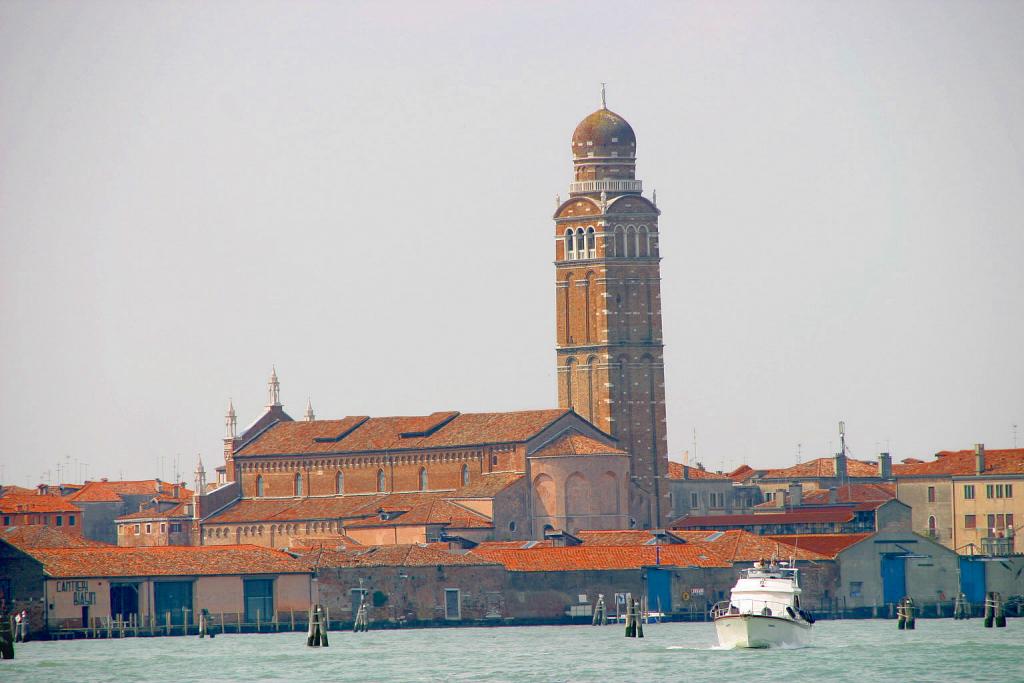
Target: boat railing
[(764, 608)]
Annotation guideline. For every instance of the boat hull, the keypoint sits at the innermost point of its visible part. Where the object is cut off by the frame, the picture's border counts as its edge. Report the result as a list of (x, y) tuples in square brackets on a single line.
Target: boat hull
[(756, 631)]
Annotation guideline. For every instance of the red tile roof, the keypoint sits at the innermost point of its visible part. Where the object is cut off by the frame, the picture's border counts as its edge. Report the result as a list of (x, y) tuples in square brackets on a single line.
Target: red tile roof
[(827, 545), (742, 473), (180, 510), (35, 536), (14, 503), (111, 491), (962, 463), (438, 430), (737, 545), (589, 558), (576, 444), (823, 467), (625, 537), (513, 545), (412, 555), (209, 560), (487, 486), (677, 470), (429, 511), (851, 493)]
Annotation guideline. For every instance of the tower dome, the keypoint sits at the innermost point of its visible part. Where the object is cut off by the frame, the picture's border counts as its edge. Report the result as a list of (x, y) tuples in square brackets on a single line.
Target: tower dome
[(603, 134)]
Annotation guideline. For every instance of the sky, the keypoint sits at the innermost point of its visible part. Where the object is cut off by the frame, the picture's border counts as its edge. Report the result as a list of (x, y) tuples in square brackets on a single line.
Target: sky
[(360, 194)]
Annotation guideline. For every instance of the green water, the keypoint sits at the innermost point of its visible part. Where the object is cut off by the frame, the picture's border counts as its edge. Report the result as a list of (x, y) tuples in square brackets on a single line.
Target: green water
[(863, 651)]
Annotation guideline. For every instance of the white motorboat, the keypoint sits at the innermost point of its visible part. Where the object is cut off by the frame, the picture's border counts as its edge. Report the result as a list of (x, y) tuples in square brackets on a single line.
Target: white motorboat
[(763, 609)]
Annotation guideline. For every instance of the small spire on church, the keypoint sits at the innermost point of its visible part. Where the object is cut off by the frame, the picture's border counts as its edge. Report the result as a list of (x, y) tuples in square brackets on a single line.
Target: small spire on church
[(604, 102), (273, 389), (230, 421), (558, 200), (310, 417), (654, 197)]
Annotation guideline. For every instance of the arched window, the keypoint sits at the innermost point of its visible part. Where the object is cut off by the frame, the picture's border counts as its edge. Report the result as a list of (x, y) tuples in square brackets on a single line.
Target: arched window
[(465, 475), (618, 241), (932, 531), (298, 484), (570, 367), (629, 243), (339, 483), (423, 479), (381, 481), (259, 486), (581, 247), (591, 243), (570, 245), (643, 242)]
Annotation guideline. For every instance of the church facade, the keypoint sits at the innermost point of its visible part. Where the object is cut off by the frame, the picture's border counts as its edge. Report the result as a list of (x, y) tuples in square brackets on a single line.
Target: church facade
[(598, 461)]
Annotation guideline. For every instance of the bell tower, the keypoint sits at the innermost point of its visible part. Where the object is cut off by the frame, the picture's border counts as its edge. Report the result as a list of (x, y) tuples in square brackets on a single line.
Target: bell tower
[(608, 306)]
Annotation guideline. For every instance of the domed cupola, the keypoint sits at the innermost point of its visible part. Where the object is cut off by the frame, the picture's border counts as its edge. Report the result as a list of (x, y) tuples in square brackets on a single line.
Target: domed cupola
[(603, 134), (604, 155)]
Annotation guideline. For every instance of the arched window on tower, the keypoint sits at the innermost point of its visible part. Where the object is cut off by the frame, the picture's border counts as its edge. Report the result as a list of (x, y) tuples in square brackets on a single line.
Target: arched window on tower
[(465, 475), (339, 483), (570, 245), (617, 242), (570, 367), (581, 247), (423, 479), (591, 243), (381, 481), (259, 486), (643, 242), (629, 242), (298, 484)]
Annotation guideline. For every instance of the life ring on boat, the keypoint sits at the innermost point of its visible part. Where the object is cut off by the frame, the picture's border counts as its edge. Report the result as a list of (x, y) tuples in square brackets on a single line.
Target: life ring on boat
[(685, 596)]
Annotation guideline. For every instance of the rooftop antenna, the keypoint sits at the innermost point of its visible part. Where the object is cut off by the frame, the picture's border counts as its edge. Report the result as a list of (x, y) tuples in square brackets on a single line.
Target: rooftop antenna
[(1014, 435), (695, 458), (798, 453), (604, 103), (842, 437)]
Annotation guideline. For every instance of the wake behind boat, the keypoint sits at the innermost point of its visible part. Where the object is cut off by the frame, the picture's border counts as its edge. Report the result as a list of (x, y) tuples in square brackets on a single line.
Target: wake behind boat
[(764, 609)]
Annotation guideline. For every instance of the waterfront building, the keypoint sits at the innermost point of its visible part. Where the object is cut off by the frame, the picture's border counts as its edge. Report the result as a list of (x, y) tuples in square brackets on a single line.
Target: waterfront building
[(85, 587), (969, 500), (835, 518), (697, 491)]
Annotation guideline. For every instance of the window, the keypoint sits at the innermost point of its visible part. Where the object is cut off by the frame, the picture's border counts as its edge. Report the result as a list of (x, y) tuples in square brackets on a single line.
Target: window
[(465, 475), (1009, 490), (991, 522), (591, 244), (580, 246), (931, 494), (694, 499), (452, 604), (1000, 522), (570, 251), (46, 520), (969, 491), (60, 520), (176, 527), (855, 588), (7, 520), (298, 484), (380, 481), (138, 528), (71, 520), (932, 530), (990, 491), (1009, 521), (163, 527), (339, 483), (999, 490), (259, 486), (149, 528), (423, 479), (970, 522), (512, 525)]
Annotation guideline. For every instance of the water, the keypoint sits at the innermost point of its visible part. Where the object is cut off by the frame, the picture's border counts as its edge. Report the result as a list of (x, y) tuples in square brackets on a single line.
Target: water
[(862, 651)]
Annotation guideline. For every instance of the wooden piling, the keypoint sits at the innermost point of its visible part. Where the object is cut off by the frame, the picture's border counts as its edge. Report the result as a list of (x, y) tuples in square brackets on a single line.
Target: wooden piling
[(317, 635)]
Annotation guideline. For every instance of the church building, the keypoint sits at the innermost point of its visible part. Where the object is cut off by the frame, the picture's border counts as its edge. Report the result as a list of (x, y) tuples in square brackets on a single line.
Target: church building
[(598, 461)]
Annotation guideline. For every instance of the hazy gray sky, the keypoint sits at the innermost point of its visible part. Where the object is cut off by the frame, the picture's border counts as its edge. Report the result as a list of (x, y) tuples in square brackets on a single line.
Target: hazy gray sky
[(361, 194)]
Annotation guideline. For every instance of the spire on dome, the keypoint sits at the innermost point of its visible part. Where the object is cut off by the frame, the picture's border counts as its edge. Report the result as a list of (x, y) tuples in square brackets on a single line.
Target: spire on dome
[(309, 416), (273, 389), (230, 422)]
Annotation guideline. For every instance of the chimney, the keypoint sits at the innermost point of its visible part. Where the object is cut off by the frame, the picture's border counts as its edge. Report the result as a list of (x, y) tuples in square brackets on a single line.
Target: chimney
[(839, 465), (686, 471), (796, 495), (177, 491), (885, 466), (833, 495), (156, 484), (979, 458)]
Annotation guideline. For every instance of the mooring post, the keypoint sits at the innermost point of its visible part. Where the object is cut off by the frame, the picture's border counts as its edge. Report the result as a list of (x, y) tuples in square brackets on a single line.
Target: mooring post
[(990, 611), (1000, 617)]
